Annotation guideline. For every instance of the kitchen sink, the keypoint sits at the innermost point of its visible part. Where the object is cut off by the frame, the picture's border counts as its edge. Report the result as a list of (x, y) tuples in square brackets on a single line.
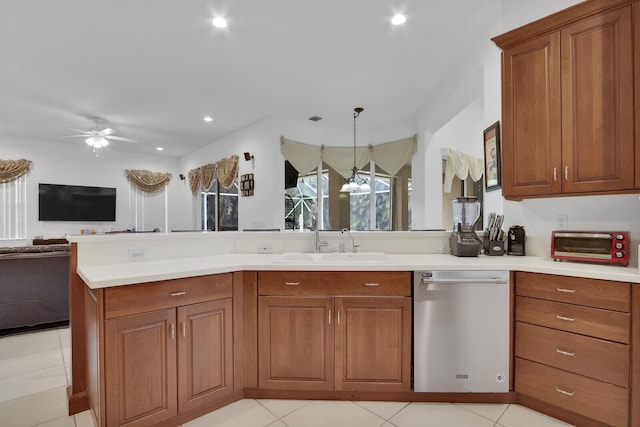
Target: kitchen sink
[(331, 257)]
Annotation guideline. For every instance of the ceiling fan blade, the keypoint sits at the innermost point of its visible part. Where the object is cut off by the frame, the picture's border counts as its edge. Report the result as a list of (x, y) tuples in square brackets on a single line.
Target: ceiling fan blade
[(120, 138), (105, 132), (80, 130), (76, 136)]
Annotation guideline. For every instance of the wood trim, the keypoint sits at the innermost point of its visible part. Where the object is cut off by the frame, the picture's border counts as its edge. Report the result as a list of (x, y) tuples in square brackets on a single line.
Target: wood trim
[(78, 397), (78, 402), (250, 327), (556, 412), (405, 396), (557, 20), (634, 404), (238, 332)]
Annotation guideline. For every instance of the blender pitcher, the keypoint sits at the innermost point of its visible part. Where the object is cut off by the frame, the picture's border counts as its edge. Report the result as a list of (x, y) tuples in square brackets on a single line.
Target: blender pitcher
[(463, 240)]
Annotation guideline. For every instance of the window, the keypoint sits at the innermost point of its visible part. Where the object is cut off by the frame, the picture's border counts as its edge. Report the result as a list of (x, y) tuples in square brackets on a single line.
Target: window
[(356, 211), (13, 208), (219, 207), (148, 210)]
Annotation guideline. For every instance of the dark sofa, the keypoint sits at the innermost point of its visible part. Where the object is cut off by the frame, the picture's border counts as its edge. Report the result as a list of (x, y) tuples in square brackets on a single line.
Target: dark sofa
[(34, 286)]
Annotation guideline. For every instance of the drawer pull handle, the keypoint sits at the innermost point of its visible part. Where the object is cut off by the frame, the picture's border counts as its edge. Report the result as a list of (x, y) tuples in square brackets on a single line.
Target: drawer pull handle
[(329, 316), (292, 283), (183, 329), (566, 353), (178, 294), (566, 393), (567, 291), (172, 331), (568, 319), (371, 284)]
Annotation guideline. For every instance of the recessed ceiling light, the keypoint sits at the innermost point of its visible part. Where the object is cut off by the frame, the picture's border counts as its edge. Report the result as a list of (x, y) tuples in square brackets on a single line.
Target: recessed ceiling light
[(208, 119), (399, 19), (219, 22), (160, 148)]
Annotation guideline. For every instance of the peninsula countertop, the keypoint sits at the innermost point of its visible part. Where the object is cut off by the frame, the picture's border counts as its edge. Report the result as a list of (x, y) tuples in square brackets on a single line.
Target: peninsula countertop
[(108, 275)]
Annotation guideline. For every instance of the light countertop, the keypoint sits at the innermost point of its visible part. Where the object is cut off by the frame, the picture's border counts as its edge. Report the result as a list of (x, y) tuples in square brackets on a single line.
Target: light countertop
[(102, 276)]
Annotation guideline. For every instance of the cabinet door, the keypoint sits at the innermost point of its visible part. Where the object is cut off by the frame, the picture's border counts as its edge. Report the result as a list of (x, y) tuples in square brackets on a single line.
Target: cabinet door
[(531, 128), (140, 368), (205, 353), (373, 344), (296, 343), (597, 104)]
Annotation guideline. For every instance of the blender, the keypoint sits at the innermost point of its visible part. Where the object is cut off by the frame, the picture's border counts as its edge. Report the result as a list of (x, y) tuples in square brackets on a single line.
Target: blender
[(463, 240)]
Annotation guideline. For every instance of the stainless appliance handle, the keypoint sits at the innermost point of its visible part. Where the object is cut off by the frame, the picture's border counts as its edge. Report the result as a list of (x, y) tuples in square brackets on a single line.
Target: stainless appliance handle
[(585, 235), (468, 280)]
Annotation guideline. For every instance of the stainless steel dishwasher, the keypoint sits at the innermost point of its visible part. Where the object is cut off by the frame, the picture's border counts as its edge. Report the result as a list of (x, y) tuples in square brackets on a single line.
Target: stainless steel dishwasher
[(461, 331)]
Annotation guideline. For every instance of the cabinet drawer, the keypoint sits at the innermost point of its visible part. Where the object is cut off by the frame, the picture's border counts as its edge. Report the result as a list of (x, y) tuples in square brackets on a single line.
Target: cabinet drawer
[(594, 399), (592, 357), (595, 322), (575, 290), (133, 299), (384, 283)]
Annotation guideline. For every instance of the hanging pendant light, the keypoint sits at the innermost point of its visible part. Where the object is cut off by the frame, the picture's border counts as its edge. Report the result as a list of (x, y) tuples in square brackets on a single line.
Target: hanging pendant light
[(355, 182)]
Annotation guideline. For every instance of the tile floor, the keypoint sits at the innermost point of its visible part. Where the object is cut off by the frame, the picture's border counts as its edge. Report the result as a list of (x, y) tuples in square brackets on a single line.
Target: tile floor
[(35, 370)]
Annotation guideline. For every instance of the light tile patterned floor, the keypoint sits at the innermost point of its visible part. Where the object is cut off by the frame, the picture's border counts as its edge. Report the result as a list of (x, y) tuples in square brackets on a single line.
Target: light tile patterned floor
[(35, 370)]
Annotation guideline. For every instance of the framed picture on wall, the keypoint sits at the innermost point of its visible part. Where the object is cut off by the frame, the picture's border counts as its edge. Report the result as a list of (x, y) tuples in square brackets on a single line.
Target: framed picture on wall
[(492, 175)]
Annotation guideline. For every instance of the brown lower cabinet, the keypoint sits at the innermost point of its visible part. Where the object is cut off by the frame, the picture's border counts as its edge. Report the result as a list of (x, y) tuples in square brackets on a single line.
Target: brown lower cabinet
[(308, 341), (168, 349), (573, 350)]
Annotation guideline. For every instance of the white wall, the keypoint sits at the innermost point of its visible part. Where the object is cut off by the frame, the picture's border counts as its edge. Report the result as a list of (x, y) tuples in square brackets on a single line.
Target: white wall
[(76, 164), (265, 209)]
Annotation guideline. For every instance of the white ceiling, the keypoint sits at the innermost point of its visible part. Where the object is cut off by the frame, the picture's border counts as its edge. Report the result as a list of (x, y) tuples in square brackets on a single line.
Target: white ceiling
[(152, 69)]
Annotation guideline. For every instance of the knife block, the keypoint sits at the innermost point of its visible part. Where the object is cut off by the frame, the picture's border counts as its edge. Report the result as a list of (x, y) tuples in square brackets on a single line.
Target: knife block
[(492, 247)]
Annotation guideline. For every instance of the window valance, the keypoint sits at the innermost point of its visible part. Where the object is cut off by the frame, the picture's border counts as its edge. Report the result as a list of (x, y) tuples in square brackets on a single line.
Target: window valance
[(461, 165), (148, 181), (390, 156), (226, 170), (13, 169)]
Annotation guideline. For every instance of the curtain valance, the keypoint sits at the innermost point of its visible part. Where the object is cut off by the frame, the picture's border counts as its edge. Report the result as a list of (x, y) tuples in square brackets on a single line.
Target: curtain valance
[(148, 181), (461, 165), (13, 169), (390, 156), (226, 170)]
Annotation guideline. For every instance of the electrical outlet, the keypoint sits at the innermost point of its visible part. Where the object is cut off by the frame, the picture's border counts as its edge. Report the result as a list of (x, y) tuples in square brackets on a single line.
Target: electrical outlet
[(265, 249), (563, 222), (438, 248), (137, 254)]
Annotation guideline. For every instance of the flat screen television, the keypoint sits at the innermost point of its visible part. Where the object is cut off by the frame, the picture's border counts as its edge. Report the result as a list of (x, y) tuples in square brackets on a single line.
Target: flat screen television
[(76, 203)]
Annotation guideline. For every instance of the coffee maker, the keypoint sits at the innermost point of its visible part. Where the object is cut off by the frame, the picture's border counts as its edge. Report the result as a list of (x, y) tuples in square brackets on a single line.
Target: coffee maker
[(463, 240), (516, 239)]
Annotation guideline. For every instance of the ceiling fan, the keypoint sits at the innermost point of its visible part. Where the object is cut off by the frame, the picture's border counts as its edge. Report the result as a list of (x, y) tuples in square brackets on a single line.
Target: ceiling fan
[(98, 138)]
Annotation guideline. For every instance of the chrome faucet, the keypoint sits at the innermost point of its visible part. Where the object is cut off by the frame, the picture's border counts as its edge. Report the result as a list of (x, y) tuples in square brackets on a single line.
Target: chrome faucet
[(317, 243), (354, 247)]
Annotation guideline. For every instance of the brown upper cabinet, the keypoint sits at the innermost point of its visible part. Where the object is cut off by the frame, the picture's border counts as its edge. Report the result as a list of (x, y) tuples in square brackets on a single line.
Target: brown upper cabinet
[(568, 103)]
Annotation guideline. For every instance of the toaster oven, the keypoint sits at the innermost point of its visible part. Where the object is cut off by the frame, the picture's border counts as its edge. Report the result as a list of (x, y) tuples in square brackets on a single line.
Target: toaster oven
[(608, 247)]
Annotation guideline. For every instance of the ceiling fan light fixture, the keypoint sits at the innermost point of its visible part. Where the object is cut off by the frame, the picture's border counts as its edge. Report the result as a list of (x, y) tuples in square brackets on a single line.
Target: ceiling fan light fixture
[(97, 141)]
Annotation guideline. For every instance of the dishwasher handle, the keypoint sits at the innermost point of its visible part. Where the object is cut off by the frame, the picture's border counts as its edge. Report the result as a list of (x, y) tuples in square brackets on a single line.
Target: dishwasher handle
[(430, 281)]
